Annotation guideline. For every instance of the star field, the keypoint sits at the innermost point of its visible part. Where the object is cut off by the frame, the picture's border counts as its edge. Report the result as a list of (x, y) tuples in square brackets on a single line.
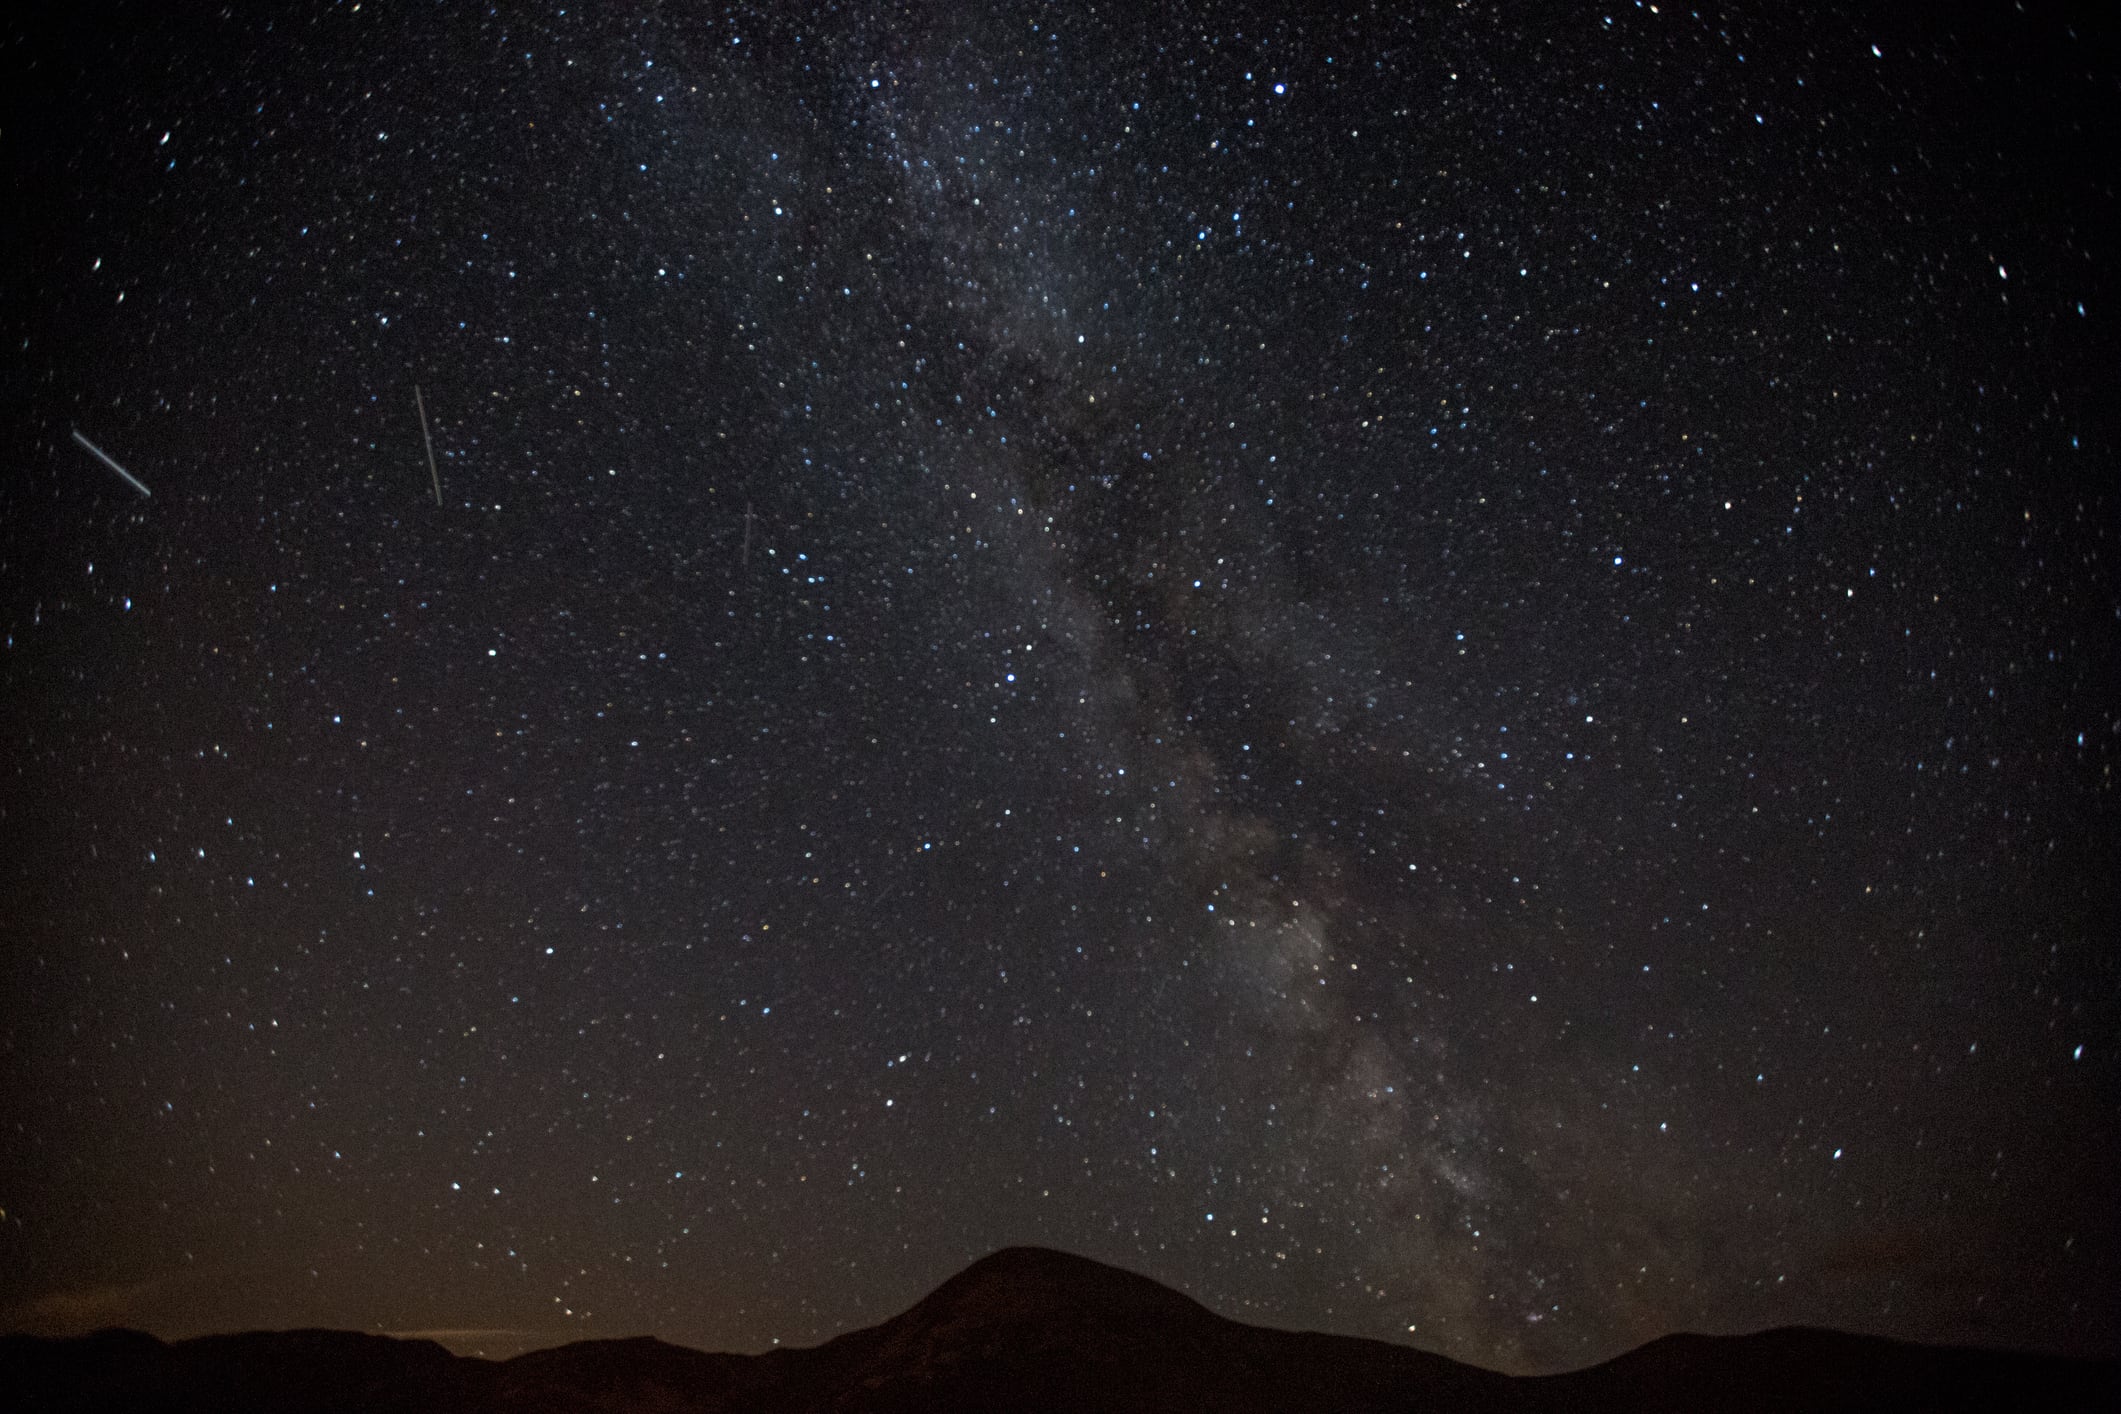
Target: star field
[(1432, 673)]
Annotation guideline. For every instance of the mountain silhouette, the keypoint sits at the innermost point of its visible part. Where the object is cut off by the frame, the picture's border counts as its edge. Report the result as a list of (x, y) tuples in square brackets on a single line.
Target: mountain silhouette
[(1027, 1329)]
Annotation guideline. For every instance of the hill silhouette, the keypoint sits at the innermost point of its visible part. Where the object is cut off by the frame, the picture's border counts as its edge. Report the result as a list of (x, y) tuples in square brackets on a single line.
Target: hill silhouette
[(1032, 1330)]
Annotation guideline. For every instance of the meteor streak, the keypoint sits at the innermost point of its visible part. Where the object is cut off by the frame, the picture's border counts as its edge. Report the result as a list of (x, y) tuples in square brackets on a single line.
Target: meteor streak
[(105, 457), (421, 403)]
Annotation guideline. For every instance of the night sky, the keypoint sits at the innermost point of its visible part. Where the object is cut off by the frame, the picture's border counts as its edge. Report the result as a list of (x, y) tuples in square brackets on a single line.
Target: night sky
[(1443, 673)]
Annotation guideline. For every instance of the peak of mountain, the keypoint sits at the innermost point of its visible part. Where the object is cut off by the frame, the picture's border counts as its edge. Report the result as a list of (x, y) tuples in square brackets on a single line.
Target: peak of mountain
[(1037, 1329), (1036, 1275), (1026, 1329), (1044, 1296)]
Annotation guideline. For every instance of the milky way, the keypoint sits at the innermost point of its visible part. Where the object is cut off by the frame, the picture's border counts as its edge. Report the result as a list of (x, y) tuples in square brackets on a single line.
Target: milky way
[(1434, 675)]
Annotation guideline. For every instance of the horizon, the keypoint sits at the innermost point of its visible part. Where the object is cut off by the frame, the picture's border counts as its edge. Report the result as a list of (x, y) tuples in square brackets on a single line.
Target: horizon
[(472, 1343), (468, 1343)]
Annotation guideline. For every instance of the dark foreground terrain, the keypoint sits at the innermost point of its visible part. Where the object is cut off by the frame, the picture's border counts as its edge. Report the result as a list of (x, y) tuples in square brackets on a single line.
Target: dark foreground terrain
[(1028, 1329)]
